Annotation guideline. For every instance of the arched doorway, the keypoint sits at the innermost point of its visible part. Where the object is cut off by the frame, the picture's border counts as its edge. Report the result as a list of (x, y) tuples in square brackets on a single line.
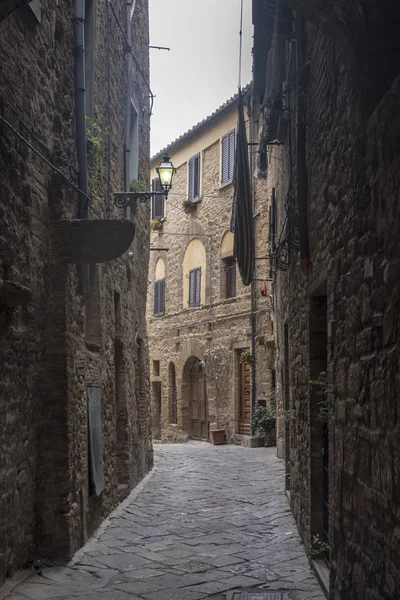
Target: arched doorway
[(199, 425)]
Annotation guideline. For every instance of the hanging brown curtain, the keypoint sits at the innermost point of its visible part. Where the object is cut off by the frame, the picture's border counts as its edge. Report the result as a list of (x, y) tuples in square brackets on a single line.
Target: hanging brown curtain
[(242, 223)]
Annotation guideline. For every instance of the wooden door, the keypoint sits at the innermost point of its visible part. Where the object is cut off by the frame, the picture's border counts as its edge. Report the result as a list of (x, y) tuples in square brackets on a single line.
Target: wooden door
[(198, 406), (244, 399)]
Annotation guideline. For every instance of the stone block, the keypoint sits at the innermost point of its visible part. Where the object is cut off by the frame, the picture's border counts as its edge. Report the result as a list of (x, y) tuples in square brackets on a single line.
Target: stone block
[(253, 441)]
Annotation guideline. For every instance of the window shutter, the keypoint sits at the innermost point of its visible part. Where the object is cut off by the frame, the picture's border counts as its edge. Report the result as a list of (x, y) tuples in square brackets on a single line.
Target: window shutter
[(157, 202), (162, 298), (225, 159), (192, 284), (198, 287), (159, 297), (196, 187), (233, 279), (156, 297), (194, 177), (231, 163)]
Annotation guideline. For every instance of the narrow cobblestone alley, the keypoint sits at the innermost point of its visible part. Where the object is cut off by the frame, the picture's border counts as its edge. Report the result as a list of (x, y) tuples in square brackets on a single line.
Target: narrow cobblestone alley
[(206, 523)]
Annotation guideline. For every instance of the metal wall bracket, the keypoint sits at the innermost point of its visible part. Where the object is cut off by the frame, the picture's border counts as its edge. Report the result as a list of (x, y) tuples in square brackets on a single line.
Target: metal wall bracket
[(124, 199)]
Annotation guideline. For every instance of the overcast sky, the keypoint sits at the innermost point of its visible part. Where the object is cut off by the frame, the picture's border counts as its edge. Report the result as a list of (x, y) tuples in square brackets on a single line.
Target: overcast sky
[(201, 71)]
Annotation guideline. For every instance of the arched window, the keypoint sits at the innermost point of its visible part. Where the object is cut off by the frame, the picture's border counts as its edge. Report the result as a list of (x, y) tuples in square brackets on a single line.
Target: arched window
[(173, 409), (228, 267), (194, 274), (159, 289)]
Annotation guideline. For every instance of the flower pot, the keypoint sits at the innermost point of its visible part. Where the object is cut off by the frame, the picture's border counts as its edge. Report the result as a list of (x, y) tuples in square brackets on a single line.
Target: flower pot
[(270, 437), (218, 436)]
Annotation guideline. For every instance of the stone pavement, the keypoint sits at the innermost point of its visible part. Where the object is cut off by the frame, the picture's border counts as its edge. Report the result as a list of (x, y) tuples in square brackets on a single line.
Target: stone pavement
[(209, 521)]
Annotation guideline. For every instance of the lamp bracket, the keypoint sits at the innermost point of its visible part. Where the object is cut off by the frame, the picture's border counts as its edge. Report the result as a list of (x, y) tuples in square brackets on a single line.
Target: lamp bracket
[(123, 199)]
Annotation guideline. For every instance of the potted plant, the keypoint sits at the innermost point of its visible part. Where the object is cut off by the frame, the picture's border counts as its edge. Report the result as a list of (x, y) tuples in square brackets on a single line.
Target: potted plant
[(156, 224), (264, 423), (217, 367)]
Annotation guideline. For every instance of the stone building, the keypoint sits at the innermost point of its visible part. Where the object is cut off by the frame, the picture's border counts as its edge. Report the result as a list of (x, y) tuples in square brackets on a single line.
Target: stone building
[(327, 91), (74, 383), (196, 300)]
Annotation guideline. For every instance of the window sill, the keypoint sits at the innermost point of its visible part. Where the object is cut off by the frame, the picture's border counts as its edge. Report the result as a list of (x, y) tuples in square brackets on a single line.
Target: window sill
[(226, 184)]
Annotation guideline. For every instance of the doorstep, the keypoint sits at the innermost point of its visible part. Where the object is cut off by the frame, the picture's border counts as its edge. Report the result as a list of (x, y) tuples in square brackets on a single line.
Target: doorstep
[(321, 570)]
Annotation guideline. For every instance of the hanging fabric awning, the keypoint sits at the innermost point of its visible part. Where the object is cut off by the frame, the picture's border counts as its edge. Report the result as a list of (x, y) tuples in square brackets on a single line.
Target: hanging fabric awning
[(242, 223)]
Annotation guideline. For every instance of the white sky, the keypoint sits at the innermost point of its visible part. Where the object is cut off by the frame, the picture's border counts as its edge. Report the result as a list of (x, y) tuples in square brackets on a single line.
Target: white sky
[(201, 71)]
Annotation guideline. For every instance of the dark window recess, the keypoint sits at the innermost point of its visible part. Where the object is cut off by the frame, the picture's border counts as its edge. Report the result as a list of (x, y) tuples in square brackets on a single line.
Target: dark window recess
[(157, 202), (228, 156), (156, 367), (159, 297), (194, 287), (230, 277), (173, 396), (90, 38), (194, 177), (95, 442)]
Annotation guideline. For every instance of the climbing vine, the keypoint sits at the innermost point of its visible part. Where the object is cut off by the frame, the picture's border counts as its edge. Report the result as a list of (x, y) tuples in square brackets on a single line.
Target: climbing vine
[(96, 136)]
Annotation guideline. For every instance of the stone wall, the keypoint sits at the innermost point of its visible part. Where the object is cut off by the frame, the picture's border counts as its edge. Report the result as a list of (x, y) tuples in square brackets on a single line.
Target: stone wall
[(184, 333), (353, 204), (61, 342)]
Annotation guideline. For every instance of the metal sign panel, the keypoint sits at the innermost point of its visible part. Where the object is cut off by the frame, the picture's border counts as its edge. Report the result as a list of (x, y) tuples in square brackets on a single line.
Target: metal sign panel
[(96, 471)]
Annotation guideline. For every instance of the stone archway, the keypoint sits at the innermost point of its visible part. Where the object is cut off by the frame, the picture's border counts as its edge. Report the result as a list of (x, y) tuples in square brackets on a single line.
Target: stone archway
[(197, 400), (191, 351)]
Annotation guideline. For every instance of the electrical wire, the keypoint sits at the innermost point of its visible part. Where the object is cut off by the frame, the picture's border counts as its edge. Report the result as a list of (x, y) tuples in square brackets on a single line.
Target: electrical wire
[(130, 52), (240, 45)]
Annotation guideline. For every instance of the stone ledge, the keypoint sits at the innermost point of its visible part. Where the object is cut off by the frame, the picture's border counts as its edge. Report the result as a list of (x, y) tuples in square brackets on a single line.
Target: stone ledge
[(252, 441)]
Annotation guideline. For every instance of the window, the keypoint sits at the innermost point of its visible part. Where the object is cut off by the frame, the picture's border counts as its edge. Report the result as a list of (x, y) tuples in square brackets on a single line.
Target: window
[(157, 202), (156, 368), (194, 177), (230, 277), (133, 144), (227, 156), (159, 297), (194, 287), (90, 36)]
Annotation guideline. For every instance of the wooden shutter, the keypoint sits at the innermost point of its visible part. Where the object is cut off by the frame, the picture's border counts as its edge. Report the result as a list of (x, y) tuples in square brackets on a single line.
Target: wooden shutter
[(192, 284), (231, 162), (196, 187), (157, 202), (194, 177), (228, 156), (162, 298), (225, 158), (159, 297), (230, 278), (198, 286)]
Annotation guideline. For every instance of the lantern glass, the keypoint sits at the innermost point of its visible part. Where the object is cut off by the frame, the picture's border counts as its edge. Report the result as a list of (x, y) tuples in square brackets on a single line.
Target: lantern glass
[(166, 173)]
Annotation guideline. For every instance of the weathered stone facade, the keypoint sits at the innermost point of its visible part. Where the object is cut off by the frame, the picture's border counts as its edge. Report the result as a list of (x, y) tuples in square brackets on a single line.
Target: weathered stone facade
[(55, 343), (336, 305), (201, 238)]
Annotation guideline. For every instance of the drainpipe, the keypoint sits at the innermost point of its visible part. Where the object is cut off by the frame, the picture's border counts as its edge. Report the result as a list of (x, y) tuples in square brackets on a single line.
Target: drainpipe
[(302, 191), (130, 7), (80, 118), (253, 285)]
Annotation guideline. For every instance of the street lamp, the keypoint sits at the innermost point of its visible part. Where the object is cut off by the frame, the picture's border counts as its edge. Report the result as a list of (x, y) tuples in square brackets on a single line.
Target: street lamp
[(165, 172)]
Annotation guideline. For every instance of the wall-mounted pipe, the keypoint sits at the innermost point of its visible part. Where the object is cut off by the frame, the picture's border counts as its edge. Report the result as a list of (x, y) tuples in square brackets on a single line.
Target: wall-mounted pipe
[(130, 8), (302, 187), (80, 119)]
